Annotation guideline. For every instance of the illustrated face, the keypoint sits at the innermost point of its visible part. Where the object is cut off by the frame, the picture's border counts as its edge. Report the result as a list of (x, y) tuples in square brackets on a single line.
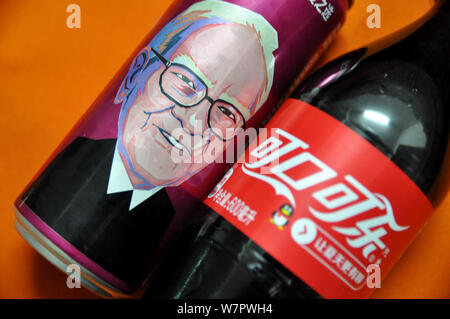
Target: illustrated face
[(224, 62)]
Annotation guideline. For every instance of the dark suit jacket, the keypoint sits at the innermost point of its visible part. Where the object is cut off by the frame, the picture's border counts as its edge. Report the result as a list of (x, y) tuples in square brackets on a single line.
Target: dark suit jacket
[(70, 196)]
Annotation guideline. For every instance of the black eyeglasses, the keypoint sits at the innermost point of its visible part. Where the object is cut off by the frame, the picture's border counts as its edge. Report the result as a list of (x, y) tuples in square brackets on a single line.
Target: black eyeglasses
[(183, 87)]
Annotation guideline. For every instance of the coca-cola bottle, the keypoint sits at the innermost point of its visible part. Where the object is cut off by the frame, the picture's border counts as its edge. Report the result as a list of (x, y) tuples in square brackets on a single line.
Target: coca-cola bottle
[(374, 141)]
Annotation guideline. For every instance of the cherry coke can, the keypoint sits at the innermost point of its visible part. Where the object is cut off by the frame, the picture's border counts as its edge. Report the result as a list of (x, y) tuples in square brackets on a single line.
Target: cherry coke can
[(120, 186)]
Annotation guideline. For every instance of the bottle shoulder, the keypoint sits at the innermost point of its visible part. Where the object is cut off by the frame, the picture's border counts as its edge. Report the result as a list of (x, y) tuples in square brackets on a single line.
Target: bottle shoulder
[(398, 107)]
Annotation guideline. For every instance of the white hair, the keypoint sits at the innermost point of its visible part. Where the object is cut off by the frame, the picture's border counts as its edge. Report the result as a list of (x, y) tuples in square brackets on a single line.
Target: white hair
[(267, 35)]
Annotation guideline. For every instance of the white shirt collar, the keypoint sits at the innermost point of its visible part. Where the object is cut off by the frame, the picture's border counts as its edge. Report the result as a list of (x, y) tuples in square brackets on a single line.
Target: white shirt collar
[(120, 182)]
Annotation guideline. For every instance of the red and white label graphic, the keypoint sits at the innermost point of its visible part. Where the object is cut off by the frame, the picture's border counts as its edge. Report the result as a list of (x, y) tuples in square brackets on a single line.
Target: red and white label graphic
[(322, 200)]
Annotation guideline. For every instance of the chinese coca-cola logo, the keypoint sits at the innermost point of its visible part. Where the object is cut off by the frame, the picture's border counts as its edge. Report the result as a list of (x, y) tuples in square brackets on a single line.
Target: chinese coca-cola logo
[(350, 209)]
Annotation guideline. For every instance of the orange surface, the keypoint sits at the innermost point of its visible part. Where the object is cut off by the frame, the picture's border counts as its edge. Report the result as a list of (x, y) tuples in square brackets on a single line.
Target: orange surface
[(49, 75)]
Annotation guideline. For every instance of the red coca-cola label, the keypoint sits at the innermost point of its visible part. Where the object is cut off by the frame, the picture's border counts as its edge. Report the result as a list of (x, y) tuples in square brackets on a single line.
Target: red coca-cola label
[(323, 201)]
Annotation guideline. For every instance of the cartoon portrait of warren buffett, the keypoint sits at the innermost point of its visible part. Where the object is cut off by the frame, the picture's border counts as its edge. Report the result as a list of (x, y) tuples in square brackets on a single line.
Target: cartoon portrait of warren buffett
[(106, 198), (202, 76)]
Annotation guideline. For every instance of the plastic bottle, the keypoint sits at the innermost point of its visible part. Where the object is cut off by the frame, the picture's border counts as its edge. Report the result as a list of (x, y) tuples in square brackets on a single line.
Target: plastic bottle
[(398, 101)]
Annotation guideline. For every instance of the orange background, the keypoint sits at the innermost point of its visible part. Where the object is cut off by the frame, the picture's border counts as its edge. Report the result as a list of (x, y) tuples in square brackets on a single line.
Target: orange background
[(50, 74)]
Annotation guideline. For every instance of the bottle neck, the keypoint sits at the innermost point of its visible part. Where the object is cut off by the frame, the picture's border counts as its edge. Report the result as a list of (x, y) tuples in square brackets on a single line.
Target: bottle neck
[(429, 49)]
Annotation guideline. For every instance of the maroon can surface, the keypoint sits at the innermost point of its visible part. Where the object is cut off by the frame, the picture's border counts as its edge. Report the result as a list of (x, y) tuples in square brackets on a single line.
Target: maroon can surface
[(120, 187)]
